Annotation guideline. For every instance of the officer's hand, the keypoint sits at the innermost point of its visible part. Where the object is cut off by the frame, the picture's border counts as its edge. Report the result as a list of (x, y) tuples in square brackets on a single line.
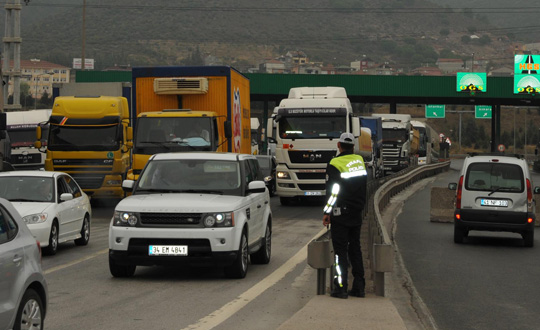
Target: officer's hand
[(326, 220)]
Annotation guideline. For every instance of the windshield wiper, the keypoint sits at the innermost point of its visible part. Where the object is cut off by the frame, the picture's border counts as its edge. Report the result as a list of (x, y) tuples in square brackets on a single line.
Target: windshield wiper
[(503, 189), (23, 200)]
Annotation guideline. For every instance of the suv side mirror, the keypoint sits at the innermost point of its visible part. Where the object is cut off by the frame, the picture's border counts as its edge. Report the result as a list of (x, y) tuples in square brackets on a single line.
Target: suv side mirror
[(256, 187), (537, 190), (453, 186)]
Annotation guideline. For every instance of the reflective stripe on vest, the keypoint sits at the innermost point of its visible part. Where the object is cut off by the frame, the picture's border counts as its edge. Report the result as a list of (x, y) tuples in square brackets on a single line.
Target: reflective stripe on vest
[(349, 166), (332, 199)]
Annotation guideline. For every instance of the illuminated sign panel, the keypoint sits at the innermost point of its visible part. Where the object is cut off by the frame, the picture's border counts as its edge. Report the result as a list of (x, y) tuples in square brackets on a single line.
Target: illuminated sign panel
[(526, 74), (471, 82)]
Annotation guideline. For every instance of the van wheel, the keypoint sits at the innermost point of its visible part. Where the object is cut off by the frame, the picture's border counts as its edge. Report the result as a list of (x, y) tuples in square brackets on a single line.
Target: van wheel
[(239, 267), (528, 238), (459, 234)]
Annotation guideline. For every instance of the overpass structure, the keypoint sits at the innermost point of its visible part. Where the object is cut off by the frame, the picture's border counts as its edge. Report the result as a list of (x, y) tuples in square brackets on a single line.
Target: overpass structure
[(392, 90)]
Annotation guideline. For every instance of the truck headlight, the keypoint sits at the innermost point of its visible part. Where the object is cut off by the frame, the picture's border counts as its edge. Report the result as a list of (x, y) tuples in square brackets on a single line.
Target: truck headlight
[(218, 220), (283, 175), (125, 219), (35, 218)]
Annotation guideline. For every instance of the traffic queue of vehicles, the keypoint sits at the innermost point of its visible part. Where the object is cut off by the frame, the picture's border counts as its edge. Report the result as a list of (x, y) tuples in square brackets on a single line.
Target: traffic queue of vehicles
[(197, 208)]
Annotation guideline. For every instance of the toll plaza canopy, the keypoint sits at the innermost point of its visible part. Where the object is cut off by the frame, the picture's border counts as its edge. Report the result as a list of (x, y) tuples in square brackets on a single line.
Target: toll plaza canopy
[(499, 91)]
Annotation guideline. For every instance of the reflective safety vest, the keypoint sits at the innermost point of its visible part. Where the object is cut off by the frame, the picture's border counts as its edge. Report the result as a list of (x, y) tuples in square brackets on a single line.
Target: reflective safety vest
[(349, 166)]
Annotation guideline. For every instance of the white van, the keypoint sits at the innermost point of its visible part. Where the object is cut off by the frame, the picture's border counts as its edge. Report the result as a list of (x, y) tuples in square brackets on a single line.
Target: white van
[(494, 193), (21, 127)]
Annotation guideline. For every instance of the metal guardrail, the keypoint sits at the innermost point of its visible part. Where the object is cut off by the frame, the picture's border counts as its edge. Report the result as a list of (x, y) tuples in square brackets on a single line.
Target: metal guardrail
[(380, 256)]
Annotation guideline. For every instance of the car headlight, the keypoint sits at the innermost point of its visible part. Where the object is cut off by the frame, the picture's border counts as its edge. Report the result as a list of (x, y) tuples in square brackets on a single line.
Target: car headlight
[(267, 178), (283, 175), (35, 218), (125, 219), (218, 220)]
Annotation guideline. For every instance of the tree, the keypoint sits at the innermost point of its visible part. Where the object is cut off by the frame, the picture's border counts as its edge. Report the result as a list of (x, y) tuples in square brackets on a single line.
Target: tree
[(444, 32), (465, 39)]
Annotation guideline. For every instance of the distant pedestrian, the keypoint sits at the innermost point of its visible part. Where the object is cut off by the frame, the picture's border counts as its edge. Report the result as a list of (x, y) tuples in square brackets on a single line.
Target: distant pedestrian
[(346, 186)]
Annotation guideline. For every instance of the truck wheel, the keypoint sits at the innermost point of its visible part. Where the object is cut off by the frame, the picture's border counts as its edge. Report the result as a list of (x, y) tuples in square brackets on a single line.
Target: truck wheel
[(263, 255), (120, 270), (285, 201), (239, 267)]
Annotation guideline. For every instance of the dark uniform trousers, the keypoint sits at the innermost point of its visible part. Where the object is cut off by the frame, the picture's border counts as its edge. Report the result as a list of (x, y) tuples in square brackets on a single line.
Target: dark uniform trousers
[(346, 237)]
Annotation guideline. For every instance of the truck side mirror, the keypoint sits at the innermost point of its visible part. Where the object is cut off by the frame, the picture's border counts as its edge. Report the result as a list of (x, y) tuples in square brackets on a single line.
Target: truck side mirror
[(38, 133), (536, 151), (227, 128), (3, 121), (129, 133)]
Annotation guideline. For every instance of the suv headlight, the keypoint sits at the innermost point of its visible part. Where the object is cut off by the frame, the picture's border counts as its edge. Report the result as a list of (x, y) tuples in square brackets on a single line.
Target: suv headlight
[(218, 219), (283, 175), (129, 219), (35, 218)]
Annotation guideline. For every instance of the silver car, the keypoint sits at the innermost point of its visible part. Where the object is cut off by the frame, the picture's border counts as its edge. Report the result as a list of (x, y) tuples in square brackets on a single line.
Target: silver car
[(23, 289)]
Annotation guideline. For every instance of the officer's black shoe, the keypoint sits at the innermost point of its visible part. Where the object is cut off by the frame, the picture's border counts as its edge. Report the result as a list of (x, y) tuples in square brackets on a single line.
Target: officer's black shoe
[(342, 294), (357, 293)]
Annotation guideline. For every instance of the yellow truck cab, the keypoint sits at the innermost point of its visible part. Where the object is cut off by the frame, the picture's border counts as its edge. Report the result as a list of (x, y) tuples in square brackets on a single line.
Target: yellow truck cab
[(188, 108), (90, 138)]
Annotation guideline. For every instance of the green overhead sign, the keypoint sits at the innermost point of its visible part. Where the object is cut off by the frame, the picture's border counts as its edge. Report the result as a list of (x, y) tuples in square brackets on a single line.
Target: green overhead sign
[(482, 111), (435, 110), (471, 82)]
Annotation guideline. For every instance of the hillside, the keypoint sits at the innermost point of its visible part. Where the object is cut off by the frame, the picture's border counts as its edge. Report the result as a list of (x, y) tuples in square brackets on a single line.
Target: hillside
[(242, 33)]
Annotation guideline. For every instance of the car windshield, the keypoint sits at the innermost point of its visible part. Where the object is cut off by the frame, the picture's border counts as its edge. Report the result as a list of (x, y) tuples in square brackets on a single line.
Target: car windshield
[(27, 189), (191, 176), (494, 177)]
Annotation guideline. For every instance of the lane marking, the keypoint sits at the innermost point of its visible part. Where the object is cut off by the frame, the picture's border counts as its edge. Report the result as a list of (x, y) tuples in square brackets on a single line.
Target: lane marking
[(74, 262), (221, 315)]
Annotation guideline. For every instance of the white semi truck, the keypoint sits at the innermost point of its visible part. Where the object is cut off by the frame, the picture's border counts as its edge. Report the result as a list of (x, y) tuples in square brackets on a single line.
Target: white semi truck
[(397, 141), (307, 127), (21, 127)]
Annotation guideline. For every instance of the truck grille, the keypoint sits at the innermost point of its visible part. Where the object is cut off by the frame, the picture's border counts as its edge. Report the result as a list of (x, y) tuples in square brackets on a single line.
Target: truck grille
[(170, 218), (66, 165), (25, 159), (390, 152), (310, 187), (311, 176), (311, 156), (89, 181)]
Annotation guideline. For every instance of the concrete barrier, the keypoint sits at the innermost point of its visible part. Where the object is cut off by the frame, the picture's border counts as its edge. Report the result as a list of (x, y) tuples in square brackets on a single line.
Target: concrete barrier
[(442, 204)]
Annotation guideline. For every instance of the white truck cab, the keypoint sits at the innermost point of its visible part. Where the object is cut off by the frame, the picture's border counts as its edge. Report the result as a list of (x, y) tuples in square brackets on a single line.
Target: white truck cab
[(21, 127)]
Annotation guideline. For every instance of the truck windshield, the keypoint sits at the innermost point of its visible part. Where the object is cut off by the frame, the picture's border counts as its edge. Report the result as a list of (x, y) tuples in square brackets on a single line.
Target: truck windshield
[(84, 138), (395, 135), (191, 176), (182, 133), (311, 127), (25, 137)]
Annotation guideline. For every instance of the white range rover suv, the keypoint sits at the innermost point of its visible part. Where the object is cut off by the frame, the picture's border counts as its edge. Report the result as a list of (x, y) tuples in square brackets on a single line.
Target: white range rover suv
[(193, 208)]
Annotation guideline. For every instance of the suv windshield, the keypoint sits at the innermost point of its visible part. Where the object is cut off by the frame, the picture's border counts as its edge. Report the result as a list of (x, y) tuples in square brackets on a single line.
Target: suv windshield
[(494, 177), (191, 176)]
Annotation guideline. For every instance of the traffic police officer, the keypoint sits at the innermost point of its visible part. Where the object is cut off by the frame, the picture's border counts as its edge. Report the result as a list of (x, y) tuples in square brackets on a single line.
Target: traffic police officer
[(346, 184)]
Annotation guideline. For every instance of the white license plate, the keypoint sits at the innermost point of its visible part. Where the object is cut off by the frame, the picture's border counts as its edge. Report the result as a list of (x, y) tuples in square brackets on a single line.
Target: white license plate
[(312, 193), (494, 202), (167, 250)]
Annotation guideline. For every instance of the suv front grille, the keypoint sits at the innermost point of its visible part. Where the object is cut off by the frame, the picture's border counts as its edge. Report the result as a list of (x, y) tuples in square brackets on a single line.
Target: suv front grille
[(170, 218)]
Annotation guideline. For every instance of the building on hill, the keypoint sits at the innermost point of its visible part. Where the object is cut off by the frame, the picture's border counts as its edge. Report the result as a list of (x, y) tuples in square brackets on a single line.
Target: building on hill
[(426, 71), (272, 66), (40, 75)]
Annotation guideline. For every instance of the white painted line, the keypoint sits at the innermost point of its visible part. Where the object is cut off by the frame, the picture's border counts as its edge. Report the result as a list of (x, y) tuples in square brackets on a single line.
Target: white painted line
[(221, 315), (74, 262)]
